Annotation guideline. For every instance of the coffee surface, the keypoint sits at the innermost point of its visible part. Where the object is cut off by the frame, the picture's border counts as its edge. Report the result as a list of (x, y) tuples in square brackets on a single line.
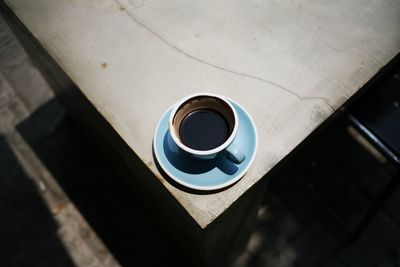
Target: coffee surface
[(203, 129)]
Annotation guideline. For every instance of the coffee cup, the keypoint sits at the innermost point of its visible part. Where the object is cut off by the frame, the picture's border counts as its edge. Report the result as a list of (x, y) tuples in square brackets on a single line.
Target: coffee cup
[(205, 125)]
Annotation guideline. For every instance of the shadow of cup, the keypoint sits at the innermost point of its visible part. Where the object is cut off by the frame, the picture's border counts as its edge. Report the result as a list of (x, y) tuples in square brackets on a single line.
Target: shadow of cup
[(187, 164)]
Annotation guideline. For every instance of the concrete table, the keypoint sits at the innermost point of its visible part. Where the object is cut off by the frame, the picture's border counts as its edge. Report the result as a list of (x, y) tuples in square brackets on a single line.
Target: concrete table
[(291, 64)]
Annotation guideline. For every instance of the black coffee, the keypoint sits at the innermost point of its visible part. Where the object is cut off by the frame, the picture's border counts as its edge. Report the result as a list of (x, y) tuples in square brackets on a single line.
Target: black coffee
[(203, 129)]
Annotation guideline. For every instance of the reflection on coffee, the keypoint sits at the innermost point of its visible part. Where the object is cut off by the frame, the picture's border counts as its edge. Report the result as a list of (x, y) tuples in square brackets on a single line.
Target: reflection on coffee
[(203, 129)]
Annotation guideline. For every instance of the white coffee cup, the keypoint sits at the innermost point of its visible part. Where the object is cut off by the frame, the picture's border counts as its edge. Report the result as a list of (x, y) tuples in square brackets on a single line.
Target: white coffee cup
[(217, 104)]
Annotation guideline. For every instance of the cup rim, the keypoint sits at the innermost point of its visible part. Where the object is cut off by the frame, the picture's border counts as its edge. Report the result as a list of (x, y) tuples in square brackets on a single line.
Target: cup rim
[(196, 152)]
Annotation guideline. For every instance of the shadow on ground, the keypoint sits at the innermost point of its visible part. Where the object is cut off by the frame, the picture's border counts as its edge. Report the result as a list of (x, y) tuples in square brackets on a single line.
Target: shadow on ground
[(28, 231), (98, 190)]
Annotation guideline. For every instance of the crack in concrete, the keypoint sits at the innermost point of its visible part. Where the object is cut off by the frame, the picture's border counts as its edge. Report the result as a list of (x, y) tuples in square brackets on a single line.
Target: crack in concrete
[(179, 50)]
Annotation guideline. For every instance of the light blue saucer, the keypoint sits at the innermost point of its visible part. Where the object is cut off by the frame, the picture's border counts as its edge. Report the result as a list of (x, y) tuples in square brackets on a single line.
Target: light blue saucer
[(205, 174)]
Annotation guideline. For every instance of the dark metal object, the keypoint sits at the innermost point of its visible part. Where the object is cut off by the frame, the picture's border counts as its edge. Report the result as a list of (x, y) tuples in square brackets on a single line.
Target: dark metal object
[(377, 116), (388, 153)]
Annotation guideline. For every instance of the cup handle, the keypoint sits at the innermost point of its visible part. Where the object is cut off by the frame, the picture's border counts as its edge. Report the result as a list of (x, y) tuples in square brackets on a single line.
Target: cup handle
[(234, 154)]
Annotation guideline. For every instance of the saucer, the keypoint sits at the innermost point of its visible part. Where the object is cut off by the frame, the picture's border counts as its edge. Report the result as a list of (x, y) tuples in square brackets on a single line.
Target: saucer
[(205, 174)]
